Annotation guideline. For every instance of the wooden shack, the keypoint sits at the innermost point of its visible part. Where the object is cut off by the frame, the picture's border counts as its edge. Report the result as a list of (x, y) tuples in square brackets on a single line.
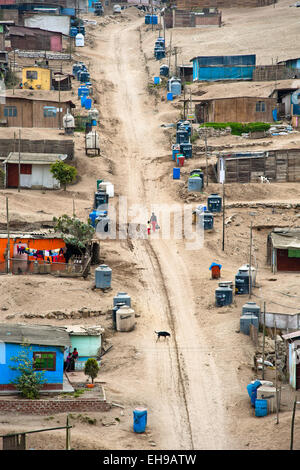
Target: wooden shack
[(21, 110), (283, 249), (282, 165), (34, 39), (235, 109), (176, 18)]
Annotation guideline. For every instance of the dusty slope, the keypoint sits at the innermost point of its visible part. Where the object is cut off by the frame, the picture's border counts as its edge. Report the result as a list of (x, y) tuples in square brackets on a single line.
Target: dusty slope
[(193, 385)]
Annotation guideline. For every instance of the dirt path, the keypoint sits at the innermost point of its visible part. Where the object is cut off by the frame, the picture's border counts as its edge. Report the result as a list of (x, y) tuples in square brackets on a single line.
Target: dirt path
[(182, 394)]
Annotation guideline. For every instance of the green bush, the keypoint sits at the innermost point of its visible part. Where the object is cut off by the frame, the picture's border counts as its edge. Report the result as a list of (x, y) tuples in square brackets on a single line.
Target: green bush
[(91, 368), (238, 128)]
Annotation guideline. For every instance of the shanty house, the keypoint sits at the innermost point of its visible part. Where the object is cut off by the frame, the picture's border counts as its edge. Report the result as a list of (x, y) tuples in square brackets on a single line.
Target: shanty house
[(22, 110), (87, 340), (36, 78), (45, 346), (233, 67), (282, 165), (34, 171), (293, 358), (27, 248), (235, 109), (34, 39), (283, 249)]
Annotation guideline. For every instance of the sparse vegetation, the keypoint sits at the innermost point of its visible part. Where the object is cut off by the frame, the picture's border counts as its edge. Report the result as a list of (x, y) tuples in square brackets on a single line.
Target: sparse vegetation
[(238, 128)]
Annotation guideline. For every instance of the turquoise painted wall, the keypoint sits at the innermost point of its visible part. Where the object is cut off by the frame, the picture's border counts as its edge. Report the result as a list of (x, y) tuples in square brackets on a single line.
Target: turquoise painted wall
[(87, 346)]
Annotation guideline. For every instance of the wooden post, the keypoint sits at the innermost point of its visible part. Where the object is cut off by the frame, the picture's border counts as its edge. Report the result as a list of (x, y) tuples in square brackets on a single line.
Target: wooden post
[(68, 435), (264, 335), (13, 78), (73, 207), (293, 423), (59, 104), (276, 378), (8, 238), (223, 216), (205, 140), (250, 260), (19, 166)]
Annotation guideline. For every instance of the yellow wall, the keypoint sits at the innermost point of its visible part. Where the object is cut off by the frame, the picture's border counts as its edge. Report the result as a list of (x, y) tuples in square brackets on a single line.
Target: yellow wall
[(42, 82)]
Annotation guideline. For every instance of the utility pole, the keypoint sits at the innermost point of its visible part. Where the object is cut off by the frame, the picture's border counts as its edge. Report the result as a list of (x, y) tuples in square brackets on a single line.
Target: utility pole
[(59, 104), (264, 336), (14, 66), (175, 51), (8, 238), (293, 422), (205, 140), (223, 235), (19, 166), (170, 51), (276, 378), (250, 260), (164, 28), (152, 14)]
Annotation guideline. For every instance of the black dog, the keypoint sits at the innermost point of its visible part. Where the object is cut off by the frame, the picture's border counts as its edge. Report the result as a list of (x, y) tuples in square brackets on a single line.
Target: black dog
[(162, 333)]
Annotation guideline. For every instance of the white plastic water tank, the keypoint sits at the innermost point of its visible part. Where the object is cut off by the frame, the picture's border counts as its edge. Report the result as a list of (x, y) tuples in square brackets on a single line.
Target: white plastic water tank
[(108, 187), (125, 318), (68, 121), (79, 40), (92, 140)]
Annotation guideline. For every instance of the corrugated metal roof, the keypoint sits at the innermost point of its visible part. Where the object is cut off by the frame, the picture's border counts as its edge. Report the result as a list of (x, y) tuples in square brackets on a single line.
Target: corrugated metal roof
[(39, 158), (42, 335), (295, 334), (33, 235), (286, 239), (80, 330)]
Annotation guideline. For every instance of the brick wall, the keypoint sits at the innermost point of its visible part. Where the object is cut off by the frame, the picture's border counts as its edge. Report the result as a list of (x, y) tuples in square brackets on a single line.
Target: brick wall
[(44, 407)]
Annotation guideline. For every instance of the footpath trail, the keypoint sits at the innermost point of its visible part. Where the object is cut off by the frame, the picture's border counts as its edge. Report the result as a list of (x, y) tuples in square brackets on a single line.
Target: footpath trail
[(183, 393)]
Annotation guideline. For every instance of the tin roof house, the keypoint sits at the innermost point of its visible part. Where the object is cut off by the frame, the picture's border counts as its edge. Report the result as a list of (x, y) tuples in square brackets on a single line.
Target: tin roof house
[(45, 347), (88, 342), (34, 170), (283, 249), (214, 68)]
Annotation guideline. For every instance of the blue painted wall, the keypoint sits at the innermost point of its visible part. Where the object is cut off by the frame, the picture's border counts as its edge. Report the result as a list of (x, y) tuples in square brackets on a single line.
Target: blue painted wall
[(8, 350), (293, 63), (211, 74), (212, 68)]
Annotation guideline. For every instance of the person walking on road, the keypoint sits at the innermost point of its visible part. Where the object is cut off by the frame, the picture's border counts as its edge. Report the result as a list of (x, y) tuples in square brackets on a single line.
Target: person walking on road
[(153, 221)]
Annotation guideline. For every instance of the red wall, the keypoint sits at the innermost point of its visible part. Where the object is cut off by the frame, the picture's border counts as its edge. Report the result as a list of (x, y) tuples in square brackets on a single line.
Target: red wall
[(284, 263)]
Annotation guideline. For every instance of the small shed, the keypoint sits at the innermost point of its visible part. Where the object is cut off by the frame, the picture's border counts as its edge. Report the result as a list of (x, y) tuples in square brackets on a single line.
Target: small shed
[(34, 39), (88, 342), (293, 358), (34, 170), (23, 110), (283, 249), (46, 346), (235, 109), (36, 78)]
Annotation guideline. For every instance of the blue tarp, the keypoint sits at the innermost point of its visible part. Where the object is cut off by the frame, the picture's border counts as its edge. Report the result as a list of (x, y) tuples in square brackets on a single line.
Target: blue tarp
[(215, 264), (252, 391), (274, 113)]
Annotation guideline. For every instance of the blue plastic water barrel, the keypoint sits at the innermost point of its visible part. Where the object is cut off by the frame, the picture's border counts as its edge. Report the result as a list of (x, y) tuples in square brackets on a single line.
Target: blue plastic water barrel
[(147, 19), (261, 407), (156, 80), (83, 98), (175, 153), (139, 419), (103, 277), (176, 173), (88, 103), (154, 19), (170, 96)]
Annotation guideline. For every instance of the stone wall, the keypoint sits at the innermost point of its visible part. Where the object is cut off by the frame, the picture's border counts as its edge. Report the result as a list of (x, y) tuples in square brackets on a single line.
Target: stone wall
[(44, 407)]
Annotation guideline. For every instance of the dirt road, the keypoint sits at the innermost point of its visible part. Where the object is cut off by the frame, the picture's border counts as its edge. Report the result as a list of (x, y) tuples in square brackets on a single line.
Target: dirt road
[(181, 391)]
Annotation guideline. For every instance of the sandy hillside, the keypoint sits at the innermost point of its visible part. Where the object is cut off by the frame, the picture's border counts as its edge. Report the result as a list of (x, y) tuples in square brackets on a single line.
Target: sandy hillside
[(194, 384)]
